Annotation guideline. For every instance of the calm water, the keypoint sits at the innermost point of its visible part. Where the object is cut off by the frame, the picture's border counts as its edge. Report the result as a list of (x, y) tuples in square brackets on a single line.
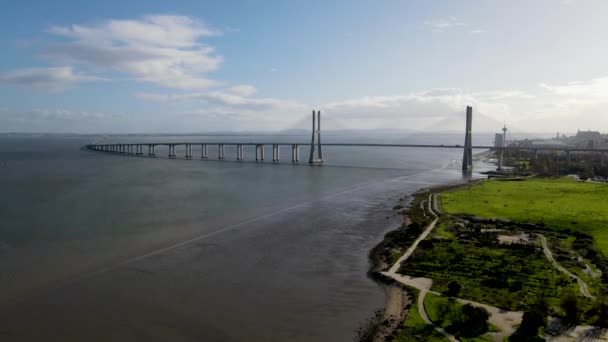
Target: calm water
[(95, 246)]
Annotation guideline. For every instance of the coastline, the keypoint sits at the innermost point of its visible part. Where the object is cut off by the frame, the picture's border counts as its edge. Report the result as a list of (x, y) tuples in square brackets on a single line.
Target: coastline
[(398, 297)]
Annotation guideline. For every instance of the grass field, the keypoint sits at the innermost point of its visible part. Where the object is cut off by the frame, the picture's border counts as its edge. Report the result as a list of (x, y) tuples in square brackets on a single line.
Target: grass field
[(560, 203), (432, 303), (415, 329)]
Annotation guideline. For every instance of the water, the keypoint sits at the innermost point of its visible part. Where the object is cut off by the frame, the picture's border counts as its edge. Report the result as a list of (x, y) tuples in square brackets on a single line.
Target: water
[(95, 246)]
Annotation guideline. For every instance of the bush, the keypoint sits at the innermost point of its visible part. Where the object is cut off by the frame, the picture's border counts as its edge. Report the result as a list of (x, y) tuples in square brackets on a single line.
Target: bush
[(453, 288)]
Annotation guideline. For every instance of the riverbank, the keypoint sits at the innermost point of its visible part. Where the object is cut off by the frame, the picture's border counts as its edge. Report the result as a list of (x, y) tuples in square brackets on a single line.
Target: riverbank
[(468, 235)]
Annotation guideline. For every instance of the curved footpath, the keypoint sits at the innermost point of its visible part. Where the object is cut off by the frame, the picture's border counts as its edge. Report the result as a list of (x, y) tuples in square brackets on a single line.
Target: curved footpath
[(583, 286), (422, 286), (505, 320)]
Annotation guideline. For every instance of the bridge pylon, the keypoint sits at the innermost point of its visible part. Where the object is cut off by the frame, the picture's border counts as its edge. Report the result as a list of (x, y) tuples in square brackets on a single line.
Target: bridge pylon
[(316, 135), (467, 155)]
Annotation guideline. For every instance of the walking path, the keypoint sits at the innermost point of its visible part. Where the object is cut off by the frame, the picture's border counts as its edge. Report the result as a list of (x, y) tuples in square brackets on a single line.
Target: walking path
[(421, 284), (583, 286), (505, 320)]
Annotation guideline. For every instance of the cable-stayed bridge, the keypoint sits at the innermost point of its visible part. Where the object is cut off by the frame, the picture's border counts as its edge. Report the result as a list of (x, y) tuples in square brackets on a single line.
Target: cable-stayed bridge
[(315, 155)]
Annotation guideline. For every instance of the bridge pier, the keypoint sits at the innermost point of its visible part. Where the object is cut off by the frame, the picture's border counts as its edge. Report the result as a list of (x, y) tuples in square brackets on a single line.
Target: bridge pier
[(239, 152), (316, 133), (188, 151), (276, 152), (171, 151), (295, 153), (467, 155), (260, 148), (220, 151), (204, 151), (122, 148)]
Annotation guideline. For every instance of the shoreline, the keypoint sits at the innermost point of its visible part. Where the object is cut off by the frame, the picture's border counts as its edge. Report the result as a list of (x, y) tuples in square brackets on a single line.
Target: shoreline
[(398, 295)]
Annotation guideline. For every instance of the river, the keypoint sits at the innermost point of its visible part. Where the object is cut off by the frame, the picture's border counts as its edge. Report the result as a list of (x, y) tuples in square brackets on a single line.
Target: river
[(98, 246)]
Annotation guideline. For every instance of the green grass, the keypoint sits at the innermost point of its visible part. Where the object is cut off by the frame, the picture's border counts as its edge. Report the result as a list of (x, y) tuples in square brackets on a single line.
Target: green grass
[(416, 329), (432, 303), (560, 203)]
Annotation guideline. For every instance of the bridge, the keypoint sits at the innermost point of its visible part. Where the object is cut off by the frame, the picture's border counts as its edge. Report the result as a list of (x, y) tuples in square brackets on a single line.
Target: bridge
[(137, 149)]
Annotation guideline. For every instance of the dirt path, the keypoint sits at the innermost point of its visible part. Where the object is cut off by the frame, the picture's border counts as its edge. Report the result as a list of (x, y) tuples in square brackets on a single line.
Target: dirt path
[(583, 286), (421, 284), (505, 320)]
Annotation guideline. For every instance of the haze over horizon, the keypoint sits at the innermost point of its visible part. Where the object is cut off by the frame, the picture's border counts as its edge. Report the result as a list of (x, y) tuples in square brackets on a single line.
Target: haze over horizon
[(196, 67)]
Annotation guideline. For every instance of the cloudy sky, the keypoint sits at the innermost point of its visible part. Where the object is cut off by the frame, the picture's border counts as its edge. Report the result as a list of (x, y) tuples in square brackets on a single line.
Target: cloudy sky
[(193, 66)]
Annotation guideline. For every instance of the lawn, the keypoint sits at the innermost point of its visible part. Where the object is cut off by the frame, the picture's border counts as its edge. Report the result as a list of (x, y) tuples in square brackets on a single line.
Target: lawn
[(415, 329), (438, 308), (560, 203)]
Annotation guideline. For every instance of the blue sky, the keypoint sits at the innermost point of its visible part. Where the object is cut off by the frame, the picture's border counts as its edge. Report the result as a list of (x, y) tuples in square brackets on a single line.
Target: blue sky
[(189, 66)]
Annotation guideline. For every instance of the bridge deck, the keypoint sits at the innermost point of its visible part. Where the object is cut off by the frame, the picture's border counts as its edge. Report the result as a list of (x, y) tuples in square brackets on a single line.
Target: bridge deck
[(530, 148)]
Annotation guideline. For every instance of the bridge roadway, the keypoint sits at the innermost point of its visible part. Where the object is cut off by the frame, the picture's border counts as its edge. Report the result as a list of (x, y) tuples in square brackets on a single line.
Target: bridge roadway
[(138, 149), (486, 147)]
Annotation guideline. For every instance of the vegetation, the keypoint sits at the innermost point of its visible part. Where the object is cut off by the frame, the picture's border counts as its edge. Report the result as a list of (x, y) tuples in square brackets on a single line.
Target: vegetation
[(559, 204), (416, 329), (476, 265), (464, 321), (397, 241)]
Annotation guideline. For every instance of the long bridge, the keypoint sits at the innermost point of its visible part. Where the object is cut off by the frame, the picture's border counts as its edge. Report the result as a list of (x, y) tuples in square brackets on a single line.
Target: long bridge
[(315, 144)]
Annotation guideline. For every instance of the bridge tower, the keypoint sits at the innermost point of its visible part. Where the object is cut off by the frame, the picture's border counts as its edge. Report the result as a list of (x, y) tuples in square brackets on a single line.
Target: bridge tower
[(316, 132), (467, 156)]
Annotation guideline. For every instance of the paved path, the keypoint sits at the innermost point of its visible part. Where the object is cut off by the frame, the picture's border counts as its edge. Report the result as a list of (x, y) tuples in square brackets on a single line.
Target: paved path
[(583, 286), (505, 320), (425, 285)]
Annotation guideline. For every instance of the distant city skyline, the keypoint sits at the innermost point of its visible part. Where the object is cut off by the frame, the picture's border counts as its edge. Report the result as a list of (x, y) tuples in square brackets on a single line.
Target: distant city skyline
[(143, 66)]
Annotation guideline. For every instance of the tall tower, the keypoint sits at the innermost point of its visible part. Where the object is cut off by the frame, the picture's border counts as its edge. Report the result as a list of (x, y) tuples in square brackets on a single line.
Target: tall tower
[(316, 133), (503, 144), (467, 155)]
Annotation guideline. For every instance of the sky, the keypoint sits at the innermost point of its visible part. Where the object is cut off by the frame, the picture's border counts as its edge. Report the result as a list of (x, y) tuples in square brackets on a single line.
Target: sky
[(195, 66)]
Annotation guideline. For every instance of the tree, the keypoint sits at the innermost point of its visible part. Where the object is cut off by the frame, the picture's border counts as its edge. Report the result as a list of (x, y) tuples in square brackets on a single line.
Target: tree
[(531, 322), (602, 312), (474, 321), (571, 306), (453, 288)]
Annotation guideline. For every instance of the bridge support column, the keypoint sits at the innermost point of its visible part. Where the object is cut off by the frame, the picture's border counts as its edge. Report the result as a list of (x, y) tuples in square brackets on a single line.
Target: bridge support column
[(140, 149), (239, 152), (276, 152), (204, 151), (188, 151), (262, 152), (171, 151), (295, 153), (467, 155), (220, 151), (316, 133)]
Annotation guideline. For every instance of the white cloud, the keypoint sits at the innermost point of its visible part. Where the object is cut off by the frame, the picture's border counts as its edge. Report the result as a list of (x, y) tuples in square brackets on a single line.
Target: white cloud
[(161, 49), (595, 88), (54, 79), (243, 90), (441, 25), (225, 99)]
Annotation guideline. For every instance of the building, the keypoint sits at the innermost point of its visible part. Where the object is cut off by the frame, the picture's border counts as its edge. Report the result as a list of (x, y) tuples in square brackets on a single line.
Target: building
[(498, 140)]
